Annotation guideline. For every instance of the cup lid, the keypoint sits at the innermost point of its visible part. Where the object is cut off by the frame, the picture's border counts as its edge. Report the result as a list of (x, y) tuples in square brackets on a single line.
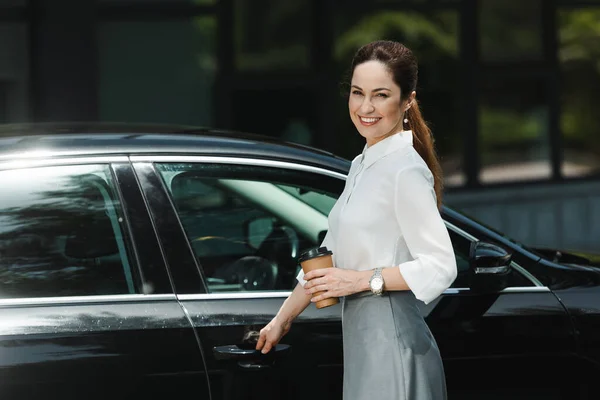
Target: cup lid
[(315, 252)]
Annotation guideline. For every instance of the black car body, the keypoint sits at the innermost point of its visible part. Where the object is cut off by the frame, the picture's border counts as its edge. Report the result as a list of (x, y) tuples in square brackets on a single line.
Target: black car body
[(139, 262)]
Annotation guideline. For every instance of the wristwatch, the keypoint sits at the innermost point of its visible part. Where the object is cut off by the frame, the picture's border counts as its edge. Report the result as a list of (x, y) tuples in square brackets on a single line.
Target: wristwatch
[(376, 282)]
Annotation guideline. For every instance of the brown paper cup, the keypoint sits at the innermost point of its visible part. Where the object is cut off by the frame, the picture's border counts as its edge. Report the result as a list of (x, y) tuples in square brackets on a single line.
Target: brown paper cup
[(323, 261)]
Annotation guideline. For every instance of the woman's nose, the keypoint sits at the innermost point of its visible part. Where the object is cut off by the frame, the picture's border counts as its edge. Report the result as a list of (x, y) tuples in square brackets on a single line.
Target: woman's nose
[(366, 106)]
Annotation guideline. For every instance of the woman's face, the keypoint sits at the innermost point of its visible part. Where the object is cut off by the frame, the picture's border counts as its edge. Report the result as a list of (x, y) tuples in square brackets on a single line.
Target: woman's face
[(374, 103)]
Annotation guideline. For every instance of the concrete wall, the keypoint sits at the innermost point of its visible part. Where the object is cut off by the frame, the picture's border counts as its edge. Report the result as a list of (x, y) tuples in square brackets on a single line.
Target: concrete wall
[(565, 215)]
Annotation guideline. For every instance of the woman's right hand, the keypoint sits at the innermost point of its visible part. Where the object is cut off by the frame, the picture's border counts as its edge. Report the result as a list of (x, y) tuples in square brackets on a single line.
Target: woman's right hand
[(271, 334)]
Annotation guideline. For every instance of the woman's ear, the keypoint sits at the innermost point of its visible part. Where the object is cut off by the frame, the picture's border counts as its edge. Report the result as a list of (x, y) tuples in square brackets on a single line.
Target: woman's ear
[(411, 100)]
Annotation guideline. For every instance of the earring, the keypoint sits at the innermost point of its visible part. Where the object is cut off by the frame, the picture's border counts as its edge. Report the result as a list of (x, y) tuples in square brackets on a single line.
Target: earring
[(406, 120)]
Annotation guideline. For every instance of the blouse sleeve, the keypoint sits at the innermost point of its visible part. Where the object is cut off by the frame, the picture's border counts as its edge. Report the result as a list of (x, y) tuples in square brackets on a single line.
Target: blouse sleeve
[(433, 268), (327, 242)]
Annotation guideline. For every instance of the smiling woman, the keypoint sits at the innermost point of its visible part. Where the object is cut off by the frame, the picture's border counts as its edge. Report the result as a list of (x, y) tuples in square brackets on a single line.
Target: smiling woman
[(385, 227)]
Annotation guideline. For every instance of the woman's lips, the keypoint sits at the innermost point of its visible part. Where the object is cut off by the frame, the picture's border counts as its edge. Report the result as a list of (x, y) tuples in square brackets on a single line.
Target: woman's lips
[(368, 121)]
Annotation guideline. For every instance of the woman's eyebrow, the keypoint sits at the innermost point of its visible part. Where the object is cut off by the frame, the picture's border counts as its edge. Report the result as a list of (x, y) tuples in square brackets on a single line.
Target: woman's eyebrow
[(374, 90)]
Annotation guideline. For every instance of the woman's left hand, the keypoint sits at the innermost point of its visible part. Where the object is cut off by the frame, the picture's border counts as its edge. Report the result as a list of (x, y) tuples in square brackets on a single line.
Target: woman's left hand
[(334, 282)]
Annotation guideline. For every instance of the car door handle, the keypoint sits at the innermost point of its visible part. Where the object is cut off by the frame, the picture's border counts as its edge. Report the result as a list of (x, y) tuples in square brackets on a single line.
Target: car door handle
[(247, 355)]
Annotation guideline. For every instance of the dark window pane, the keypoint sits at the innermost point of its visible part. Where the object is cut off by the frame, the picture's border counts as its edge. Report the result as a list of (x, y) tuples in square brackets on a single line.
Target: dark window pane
[(432, 36), (294, 120), (430, 2), (511, 30), (136, 2), (157, 71), (579, 35), (13, 3), (62, 234), (272, 35), (513, 126), (14, 72), (247, 225)]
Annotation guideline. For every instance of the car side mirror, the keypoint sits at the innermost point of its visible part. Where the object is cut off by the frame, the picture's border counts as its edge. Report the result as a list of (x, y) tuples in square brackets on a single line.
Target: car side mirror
[(490, 267)]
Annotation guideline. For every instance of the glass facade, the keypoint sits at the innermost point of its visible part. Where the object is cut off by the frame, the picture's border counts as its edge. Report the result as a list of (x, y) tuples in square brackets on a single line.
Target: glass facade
[(579, 57), (14, 72), (509, 87), (157, 71)]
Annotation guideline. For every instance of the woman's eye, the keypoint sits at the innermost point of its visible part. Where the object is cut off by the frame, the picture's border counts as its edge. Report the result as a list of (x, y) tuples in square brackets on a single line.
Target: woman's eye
[(382, 95), (357, 92)]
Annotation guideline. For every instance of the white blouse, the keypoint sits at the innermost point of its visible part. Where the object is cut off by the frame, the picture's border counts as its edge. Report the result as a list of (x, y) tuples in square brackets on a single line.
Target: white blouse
[(387, 216)]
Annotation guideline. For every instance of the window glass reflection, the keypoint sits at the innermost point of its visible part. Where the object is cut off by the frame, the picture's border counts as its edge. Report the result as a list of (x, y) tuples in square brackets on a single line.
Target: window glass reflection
[(157, 71), (13, 3), (136, 2), (61, 234), (513, 130), (579, 55), (15, 70), (521, 41), (272, 35), (248, 232)]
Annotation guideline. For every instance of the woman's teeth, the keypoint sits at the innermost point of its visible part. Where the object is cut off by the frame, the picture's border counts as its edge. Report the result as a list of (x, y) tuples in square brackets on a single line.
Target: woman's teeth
[(368, 120)]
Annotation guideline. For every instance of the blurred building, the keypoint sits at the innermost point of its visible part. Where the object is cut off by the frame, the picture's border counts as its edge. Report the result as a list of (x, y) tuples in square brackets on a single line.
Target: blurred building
[(510, 87)]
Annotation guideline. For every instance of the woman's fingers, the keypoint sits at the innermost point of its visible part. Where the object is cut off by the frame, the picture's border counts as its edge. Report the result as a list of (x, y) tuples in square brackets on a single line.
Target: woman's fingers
[(320, 297), (315, 282), (315, 289), (261, 340), (268, 338), (316, 273), (267, 348)]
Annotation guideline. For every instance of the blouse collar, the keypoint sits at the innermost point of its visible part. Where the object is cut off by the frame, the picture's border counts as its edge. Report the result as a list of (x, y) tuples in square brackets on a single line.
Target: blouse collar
[(386, 146)]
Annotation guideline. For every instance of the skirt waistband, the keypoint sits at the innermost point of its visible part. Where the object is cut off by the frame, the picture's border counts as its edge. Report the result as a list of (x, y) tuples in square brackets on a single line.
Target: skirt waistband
[(367, 293)]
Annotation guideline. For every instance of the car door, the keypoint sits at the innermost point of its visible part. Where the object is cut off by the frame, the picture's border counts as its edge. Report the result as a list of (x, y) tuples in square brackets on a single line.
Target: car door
[(516, 343), (244, 223), (86, 306)]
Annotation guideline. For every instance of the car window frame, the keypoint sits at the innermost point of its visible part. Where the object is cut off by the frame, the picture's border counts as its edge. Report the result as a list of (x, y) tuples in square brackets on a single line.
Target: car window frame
[(149, 166), (258, 162), (136, 268)]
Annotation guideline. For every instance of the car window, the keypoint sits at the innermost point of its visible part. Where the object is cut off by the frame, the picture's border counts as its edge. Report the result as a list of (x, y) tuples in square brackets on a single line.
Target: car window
[(62, 233), (247, 225)]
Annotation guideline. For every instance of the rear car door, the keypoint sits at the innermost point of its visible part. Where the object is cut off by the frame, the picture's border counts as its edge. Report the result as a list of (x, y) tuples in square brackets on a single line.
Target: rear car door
[(234, 228), (86, 306)]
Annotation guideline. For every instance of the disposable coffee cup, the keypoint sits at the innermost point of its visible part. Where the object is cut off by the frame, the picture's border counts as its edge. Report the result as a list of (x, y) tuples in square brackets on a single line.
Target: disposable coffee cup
[(318, 258)]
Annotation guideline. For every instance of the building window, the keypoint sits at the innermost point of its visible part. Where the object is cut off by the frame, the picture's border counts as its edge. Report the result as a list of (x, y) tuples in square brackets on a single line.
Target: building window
[(511, 30), (513, 130), (14, 72), (157, 71), (272, 35), (579, 56), (513, 100)]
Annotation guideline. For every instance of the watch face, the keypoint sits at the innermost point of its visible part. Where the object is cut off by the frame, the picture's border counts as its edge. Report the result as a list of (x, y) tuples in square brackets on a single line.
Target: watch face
[(377, 283)]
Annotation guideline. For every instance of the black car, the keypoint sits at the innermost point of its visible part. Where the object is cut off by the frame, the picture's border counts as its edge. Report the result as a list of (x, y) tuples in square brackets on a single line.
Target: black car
[(139, 262)]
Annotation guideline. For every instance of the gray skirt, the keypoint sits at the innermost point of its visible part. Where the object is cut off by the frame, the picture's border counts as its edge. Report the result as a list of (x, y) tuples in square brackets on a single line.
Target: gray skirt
[(389, 351)]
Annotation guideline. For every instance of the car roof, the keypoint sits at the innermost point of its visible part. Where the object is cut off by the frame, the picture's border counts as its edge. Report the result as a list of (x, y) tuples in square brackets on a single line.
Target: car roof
[(92, 139), (54, 140)]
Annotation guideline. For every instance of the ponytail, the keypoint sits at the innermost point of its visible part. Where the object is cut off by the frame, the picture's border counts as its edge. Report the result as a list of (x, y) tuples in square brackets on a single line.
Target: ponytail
[(423, 144)]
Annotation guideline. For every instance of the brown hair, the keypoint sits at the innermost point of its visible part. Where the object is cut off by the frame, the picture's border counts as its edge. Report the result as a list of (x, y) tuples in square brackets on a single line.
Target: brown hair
[(403, 66)]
